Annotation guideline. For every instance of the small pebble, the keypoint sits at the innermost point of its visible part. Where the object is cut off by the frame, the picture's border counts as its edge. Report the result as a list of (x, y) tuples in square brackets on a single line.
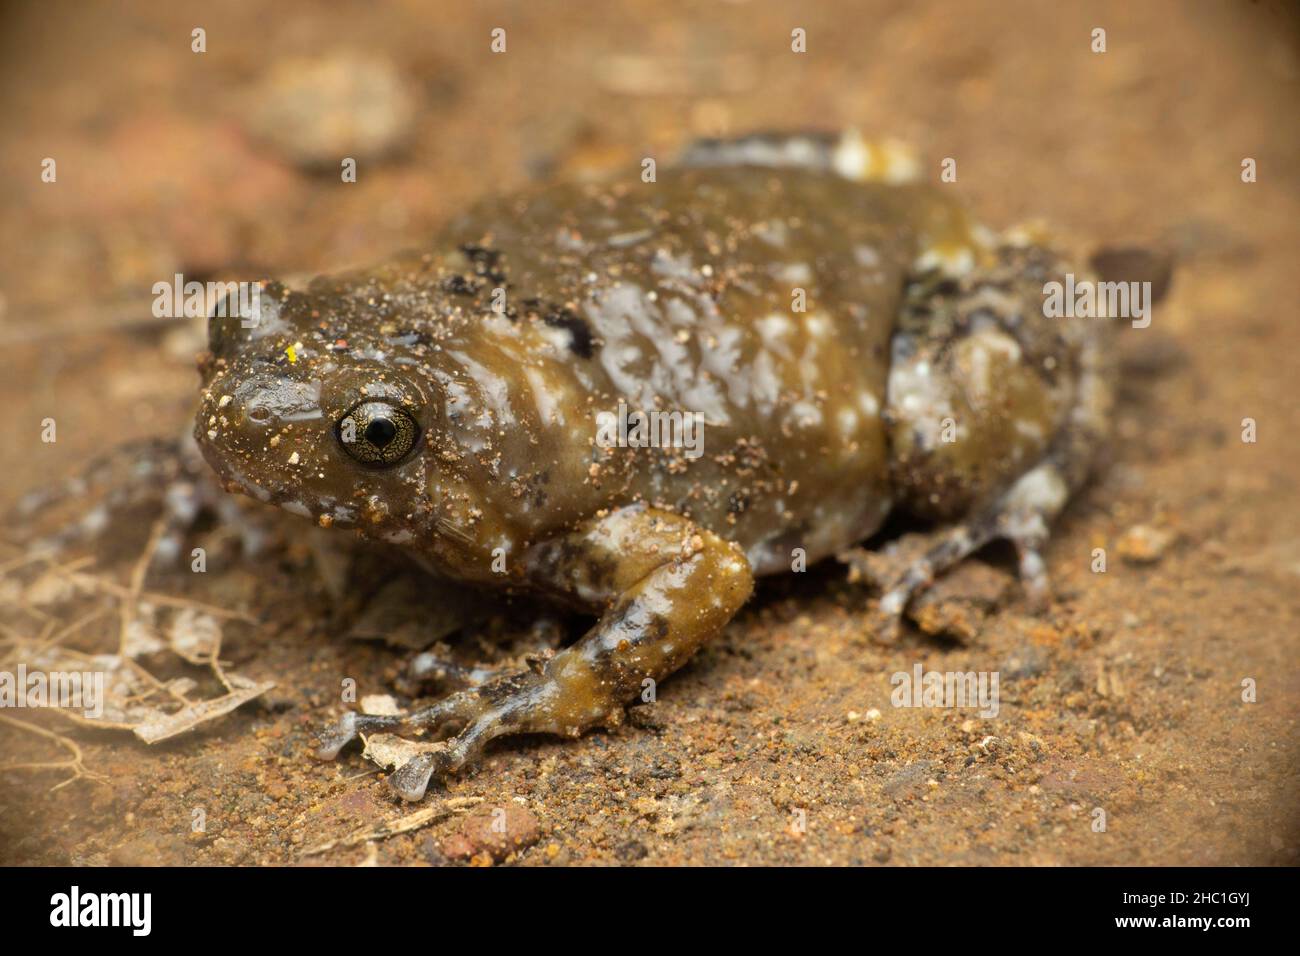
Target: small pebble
[(1143, 544)]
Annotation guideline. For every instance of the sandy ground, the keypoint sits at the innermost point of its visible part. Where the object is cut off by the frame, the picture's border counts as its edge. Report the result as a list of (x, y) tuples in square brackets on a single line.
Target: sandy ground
[(778, 744)]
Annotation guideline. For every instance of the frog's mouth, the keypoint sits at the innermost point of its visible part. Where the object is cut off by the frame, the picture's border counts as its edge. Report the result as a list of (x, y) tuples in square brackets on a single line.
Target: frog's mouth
[(232, 479), (326, 512)]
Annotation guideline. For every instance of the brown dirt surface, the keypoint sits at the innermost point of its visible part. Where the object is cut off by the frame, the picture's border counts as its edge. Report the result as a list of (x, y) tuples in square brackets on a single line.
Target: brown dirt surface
[(778, 744)]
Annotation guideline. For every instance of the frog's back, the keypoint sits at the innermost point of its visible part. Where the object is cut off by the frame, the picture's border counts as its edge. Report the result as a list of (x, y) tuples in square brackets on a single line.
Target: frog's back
[(759, 301)]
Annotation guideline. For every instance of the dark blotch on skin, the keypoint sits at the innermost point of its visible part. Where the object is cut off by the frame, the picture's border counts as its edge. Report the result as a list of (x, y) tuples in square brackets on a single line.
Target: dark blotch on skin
[(582, 342), (459, 285), (486, 261)]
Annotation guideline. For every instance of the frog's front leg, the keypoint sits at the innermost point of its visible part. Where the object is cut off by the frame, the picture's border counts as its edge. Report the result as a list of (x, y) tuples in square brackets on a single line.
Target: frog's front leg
[(663, 586)]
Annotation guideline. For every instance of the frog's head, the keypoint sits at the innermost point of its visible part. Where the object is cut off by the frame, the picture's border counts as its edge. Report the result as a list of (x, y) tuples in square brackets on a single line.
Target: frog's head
[(304, 407)]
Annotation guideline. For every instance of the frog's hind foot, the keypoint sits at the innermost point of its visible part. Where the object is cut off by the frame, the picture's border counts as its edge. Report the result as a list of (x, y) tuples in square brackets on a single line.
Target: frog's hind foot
[(1021, 515), (435, 668), (994, 416)]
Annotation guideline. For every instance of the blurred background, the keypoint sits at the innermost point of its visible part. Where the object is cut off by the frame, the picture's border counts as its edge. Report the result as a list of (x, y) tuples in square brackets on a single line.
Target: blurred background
[(225, 165)]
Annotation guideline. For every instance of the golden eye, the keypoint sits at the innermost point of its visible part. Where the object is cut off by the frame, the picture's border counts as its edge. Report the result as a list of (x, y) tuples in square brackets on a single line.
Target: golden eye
[(377, 433)]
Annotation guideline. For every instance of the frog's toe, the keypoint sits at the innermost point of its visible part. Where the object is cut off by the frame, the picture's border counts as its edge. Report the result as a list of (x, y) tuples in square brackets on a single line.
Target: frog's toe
[(1028, 532), (331, 741), (1033, 578), (918, 576), (334, 739), (885, 625), (411, 780)]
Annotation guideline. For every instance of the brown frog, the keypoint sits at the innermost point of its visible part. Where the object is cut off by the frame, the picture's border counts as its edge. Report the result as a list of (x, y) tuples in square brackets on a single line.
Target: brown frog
[(637, 397)]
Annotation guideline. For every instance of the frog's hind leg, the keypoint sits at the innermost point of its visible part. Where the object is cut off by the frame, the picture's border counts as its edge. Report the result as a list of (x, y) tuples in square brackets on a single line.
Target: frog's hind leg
[(122, 478), (166, 479), (996, 415)]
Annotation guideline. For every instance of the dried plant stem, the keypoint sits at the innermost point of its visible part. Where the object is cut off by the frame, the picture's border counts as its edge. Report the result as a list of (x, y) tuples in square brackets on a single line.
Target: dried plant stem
[(73, 763)]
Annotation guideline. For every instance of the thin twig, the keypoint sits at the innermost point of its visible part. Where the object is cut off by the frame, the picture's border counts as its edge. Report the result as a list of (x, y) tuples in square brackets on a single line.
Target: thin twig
[(72, 571), (406, 824), (128, 607), (167, 600), (74, 763)]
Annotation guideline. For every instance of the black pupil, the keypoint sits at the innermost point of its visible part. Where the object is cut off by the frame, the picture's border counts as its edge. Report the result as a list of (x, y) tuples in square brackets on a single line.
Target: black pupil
[(380, 432)]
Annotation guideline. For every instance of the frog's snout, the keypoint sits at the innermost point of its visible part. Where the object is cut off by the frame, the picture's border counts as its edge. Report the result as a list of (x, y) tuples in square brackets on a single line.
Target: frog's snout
[(255, 406), (257, 431)]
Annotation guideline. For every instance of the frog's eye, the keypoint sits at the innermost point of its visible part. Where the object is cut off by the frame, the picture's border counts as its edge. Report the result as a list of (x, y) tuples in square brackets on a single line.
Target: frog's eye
[(377, 433)]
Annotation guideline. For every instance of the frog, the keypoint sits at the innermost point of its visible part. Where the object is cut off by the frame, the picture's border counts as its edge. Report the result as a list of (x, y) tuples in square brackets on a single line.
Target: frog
[(848, 341)]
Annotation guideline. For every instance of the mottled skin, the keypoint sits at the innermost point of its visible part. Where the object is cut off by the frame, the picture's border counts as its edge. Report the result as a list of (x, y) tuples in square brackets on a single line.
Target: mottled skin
[(534, 313)]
